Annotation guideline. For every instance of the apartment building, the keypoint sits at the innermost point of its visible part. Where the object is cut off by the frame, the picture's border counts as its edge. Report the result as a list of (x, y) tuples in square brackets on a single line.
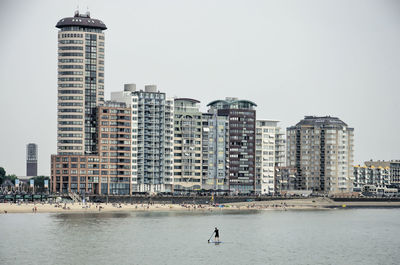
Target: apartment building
[(270, 153), (187, 145), (215, 142), (371, 175), (114, 123), (394, 168), (321, 150), (80, 83), (241, 144), (265, 156), (151, 137)]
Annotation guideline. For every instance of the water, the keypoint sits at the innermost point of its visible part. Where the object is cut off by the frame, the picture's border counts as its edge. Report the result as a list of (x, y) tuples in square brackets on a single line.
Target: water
[(364, 236)]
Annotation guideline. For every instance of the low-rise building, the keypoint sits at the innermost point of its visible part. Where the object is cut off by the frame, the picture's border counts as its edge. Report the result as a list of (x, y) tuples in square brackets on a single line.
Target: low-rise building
[(371, 175), (285, 179), (394, 168)]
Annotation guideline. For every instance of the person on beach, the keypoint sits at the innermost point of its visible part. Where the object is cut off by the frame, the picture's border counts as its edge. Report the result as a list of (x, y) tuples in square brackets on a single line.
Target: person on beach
[(216, 235)]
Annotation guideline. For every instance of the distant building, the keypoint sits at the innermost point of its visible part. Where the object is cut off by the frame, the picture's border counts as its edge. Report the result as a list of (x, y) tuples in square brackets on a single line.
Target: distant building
[(321, 150), (241, 144), (31, 159), (371, 175), (285, 179), (394, 168)]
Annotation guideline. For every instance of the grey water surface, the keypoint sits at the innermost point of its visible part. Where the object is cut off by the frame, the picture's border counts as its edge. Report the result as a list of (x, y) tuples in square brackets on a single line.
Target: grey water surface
[(346, 236)]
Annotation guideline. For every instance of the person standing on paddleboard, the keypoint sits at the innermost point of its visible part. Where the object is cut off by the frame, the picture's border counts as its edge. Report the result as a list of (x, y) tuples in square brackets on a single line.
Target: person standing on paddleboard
[(216, 232)]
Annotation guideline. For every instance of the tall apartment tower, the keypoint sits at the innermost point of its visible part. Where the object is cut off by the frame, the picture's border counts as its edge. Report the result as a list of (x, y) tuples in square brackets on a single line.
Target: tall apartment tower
[(321, 150), (80, 83), (187, 145), (151, 137), (269, 154), (215, 142), (31, 159), (241, 143)]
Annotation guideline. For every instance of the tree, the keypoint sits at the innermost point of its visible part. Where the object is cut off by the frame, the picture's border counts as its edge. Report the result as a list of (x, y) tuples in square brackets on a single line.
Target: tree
[(11, 177), (39, 183), (2, 175)]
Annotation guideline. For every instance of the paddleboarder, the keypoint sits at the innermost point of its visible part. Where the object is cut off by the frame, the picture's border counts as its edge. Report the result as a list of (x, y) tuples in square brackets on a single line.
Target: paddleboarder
[(216, 235)]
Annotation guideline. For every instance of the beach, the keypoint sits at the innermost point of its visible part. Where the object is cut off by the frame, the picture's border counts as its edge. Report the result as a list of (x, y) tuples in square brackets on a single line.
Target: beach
[(279, 205)]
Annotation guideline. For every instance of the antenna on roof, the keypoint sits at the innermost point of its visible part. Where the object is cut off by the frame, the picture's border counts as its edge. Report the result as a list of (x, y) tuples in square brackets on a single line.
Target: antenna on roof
[(87, 12), (76, 11)]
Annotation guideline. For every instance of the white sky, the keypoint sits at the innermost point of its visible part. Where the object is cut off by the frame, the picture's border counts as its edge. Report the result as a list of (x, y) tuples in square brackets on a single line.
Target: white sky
[(293, 58)]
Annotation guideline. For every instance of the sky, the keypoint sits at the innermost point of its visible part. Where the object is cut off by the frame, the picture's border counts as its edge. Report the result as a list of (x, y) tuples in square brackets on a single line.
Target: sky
[(293, 58)]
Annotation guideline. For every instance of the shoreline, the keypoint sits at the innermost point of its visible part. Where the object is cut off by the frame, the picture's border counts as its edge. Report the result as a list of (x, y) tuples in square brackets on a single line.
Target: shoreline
[(278, 205)]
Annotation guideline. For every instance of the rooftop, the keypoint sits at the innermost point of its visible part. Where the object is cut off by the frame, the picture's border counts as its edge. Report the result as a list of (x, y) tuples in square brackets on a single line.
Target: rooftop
[(229, 103), (81, 20), (187, 99), (321, 121)]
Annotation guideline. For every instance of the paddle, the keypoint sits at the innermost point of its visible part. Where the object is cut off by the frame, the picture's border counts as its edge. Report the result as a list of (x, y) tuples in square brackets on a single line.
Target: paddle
[(210, 237)]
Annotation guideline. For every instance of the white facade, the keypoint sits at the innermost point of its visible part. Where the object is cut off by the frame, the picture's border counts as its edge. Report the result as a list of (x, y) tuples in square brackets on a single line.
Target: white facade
[(269, 153), (152, 138)]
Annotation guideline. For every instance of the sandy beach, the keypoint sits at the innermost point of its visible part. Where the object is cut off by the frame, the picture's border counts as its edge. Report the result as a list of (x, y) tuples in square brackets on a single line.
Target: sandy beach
[(278, 205)]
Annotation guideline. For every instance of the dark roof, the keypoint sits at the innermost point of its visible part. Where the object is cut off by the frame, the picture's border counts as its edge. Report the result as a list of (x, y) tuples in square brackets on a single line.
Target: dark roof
[(188, 99), (228, 102), (324, 121), (81, 21)]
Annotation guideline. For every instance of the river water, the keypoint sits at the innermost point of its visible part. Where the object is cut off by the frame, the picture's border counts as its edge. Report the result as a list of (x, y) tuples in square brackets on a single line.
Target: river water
[(346, 236)]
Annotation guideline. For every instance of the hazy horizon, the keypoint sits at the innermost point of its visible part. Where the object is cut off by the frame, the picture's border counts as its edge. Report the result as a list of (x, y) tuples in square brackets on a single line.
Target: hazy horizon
[(292, 58)]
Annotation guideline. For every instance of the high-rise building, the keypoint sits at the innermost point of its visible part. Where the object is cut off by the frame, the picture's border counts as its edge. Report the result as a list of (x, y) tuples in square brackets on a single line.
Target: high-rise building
[(80, 83), (321, 150), (114, 124), (187, 145), (151, 137), (215, 142), (269, 154), (241, 144), (31, 159)]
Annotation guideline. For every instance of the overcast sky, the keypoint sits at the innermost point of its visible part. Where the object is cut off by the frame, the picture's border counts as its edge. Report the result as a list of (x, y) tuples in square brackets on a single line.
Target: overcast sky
[(293, 58)]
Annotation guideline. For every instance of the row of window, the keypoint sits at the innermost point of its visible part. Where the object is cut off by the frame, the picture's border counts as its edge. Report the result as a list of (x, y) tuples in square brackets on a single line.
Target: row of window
[(70, 91), (70, 85), (70, 73), (69, 48), (70, 98), (70, 116)]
